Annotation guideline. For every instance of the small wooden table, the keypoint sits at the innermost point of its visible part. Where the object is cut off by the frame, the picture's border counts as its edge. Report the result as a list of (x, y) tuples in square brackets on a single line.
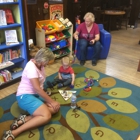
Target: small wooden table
[(113, 13)]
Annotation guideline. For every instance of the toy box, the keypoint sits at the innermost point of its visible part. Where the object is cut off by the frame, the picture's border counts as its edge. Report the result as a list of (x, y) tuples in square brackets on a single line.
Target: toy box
[(66, 34), (61, 53), (59, 26), (46, 25), (60, 35), (62, 43), (51, 38)]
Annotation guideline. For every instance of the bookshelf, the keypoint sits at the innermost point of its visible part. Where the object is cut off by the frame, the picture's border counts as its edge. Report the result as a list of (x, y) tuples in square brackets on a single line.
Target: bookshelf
[(15, 53)]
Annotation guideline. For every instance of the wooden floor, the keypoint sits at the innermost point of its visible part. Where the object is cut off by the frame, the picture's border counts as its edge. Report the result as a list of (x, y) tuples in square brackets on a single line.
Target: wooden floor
[(122, 61)]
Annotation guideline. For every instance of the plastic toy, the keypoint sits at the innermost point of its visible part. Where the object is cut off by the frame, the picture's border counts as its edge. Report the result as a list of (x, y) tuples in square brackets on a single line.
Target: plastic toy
[(90, 83), (87, 89), (48, 27), (51, 38), (58, 47)]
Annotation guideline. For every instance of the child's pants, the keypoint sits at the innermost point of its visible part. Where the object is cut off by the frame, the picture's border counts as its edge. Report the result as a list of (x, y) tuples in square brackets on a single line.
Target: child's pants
[(65, 82)]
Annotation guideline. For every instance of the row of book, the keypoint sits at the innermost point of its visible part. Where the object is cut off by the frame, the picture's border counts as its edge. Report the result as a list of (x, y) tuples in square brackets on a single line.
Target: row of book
[(9, 55), (5, 76), (6, 17), (3, 1)]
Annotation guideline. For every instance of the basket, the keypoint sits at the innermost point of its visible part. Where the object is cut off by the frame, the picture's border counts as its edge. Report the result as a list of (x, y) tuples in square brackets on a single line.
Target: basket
[(62, 43), (54, 46), (60, 35), (66, 33), (61, 53), (59, 26), (46, 25), (51, 38)]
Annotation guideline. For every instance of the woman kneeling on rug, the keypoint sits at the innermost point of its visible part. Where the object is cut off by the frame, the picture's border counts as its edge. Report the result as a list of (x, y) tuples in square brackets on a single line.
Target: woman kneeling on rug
[(30, 88)]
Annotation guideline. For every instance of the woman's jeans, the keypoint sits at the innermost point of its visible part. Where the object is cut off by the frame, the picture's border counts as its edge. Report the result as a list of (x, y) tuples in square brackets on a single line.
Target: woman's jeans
[(83, 44)]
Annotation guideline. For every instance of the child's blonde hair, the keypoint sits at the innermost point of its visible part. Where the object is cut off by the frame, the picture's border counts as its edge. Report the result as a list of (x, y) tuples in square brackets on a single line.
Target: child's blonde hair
[(65, 61)]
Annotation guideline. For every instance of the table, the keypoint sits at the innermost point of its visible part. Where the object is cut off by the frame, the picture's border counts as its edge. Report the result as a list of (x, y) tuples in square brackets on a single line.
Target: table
[(113, 13)]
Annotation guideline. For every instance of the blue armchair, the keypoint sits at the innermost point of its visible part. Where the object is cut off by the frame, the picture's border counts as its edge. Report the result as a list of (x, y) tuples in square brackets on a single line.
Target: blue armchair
[(105, 39)]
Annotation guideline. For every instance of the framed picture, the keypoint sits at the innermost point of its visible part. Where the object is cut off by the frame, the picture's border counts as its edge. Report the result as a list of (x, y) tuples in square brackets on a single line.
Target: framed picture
[(56, 11), (55, 1), (31, 1)]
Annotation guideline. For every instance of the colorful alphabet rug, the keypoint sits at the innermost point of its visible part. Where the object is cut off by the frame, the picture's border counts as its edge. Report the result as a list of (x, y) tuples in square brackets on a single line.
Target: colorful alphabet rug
[(107, 109)]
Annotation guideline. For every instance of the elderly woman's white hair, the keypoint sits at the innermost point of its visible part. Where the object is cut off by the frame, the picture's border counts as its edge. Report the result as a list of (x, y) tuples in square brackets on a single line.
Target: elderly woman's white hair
[(44, 55), (90, 16)]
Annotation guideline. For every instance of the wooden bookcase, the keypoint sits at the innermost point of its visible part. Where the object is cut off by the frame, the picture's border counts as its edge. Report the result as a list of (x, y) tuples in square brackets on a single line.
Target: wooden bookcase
[(18, 25)]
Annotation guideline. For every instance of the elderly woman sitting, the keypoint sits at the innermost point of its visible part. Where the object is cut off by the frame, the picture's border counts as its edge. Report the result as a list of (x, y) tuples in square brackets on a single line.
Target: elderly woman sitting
[(87, 33)]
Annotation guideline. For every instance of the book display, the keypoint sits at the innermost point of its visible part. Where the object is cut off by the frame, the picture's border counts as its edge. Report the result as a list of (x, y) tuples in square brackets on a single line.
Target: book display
[(11, 37), (13, 53)]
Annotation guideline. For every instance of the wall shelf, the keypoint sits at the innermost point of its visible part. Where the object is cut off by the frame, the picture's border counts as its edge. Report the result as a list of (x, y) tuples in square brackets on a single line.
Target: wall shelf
[(10, 26), (9, 3), (4, 46)]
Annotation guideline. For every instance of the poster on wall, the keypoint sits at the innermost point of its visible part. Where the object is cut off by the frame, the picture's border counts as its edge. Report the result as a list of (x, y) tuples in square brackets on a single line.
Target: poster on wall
[(56, 11)]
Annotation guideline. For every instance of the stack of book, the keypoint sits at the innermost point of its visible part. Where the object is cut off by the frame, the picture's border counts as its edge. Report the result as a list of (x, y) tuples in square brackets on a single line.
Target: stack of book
[(5, 76)]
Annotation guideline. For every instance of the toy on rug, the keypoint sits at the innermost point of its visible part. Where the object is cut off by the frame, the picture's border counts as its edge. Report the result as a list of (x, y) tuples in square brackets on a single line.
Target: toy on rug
[(90, 83)]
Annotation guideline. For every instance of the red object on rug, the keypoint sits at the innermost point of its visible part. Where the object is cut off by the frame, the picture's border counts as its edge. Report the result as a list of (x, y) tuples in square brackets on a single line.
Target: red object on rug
[(87, 89)]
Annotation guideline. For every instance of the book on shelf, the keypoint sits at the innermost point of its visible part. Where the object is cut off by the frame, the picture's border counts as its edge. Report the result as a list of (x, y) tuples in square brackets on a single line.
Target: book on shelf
[(10, 0), (66, 94), (6, 64), (1, 58), (9, 54), (2, 18), (11, 37), (3, 1), (16, 69), (1, 79), (9, 16), (5, 76)]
